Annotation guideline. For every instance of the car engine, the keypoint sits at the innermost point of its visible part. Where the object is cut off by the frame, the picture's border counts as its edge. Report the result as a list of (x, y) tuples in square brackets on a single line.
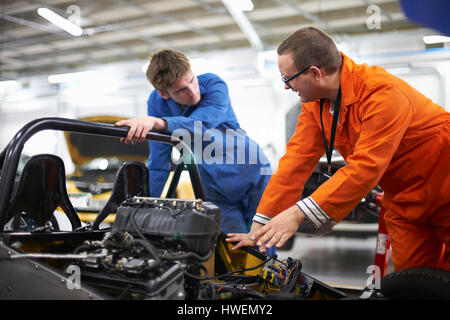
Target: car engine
[(155, 249)]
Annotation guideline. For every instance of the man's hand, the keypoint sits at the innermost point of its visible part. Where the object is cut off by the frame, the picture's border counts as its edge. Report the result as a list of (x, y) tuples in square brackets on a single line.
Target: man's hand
[(244, 239), (139, 127), (279, 229), (276, 232)]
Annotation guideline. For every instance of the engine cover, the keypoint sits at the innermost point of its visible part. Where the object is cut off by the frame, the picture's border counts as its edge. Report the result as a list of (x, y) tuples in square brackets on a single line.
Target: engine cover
[(172, 224)]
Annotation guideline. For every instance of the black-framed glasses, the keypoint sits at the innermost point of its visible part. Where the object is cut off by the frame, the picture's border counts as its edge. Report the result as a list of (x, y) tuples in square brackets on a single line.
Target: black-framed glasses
[(283, 77)]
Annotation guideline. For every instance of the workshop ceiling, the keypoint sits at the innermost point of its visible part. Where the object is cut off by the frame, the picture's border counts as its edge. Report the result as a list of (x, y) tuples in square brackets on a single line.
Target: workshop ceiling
[(119, 30)]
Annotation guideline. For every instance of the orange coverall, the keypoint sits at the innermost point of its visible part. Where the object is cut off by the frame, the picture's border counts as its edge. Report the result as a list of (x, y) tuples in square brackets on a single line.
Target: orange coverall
[(390, 135)]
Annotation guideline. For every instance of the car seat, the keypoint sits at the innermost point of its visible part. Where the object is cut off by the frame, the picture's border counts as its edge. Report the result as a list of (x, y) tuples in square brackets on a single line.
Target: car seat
[(132, 179), (41, 190)]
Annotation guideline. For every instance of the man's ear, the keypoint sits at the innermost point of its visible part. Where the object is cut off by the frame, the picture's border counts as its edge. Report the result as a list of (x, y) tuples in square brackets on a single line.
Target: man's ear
[(164, 94), (317, 73)]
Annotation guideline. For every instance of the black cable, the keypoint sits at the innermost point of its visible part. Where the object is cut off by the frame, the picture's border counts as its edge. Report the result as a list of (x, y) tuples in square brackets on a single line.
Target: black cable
[(187, 255), (193, 276), (230, 272), (82, 248), (172, 212), (147, 244), (167, 208), (179, 211), (243, 270), (290, 281)]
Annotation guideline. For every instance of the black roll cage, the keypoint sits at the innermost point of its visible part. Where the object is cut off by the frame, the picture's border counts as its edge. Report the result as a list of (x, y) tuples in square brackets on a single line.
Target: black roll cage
[(10, 156)]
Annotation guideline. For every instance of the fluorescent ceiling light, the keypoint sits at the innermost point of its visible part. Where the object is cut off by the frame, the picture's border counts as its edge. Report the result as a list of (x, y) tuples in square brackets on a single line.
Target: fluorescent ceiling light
[(61, 22), (72, 77), (235, 8), (245, 5), (435, 39), (8, 84)]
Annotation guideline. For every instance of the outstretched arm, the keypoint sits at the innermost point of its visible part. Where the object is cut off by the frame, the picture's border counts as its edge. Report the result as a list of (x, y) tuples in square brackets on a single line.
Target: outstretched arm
[(140, 126)]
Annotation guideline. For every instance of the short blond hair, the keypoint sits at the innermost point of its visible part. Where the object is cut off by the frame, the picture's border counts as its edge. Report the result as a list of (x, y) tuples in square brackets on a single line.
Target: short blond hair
[(166, 66)]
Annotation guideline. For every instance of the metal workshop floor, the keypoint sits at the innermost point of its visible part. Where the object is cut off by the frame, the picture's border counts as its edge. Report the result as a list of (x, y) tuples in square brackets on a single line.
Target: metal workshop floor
[(336, 259)]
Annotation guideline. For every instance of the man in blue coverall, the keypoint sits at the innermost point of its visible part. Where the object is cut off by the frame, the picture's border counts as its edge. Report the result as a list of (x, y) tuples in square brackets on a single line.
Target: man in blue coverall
[(233, 168)]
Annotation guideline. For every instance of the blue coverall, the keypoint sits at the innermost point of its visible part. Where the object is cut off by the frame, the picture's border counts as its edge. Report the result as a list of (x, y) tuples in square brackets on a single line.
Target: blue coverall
[(236, 188)]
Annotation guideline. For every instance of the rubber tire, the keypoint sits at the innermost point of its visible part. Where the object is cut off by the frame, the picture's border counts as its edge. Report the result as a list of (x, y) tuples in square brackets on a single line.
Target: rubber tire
[(417, 283)]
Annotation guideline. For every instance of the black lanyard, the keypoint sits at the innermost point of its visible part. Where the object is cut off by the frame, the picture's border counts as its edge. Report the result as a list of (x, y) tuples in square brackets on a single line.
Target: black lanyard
[(329, 151)]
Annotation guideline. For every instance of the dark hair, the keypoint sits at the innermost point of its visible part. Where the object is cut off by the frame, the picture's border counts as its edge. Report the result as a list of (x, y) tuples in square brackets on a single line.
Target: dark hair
[(312, 47), (166, 66)]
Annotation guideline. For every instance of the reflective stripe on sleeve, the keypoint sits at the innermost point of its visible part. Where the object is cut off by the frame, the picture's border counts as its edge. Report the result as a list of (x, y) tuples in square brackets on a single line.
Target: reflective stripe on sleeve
[(260, 218), (313, 212)]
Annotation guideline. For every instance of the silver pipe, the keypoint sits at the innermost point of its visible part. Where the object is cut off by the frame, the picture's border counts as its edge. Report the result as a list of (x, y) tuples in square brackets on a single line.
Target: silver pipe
[(36, 255)]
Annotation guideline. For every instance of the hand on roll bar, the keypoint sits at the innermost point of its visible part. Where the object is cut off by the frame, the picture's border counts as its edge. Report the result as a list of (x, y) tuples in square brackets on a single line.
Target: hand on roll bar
[(140, 126)]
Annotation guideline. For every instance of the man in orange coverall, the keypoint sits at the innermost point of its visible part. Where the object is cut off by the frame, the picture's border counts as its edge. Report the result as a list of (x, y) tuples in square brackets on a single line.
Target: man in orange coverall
[(389, 134)]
